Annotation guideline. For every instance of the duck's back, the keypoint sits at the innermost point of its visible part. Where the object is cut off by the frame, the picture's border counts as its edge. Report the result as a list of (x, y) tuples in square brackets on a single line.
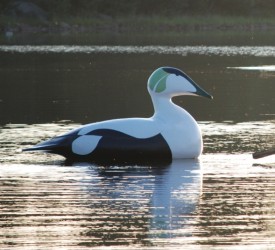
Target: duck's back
[(121, 140)]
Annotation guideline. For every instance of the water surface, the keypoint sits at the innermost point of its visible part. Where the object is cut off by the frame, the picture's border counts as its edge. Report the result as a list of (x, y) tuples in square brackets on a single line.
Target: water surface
[(224, 200)]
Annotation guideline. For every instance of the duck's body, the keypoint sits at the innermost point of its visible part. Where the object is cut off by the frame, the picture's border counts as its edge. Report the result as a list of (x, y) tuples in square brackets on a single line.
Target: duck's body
[(171, 133)]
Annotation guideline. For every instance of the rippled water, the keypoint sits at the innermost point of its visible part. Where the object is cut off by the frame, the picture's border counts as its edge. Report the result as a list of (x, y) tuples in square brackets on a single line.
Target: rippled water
[(224, 200), (91, 206), (179, 50), (221, 199)]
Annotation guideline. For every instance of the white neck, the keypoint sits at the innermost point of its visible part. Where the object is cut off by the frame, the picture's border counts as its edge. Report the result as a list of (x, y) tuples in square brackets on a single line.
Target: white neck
[(165, 109)]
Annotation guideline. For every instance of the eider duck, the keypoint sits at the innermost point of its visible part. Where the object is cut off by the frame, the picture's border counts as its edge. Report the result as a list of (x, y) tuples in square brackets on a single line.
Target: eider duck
[(171, 133)]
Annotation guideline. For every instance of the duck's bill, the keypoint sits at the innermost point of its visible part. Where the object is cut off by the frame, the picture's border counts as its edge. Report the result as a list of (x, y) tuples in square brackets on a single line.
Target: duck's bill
[(202, 92)]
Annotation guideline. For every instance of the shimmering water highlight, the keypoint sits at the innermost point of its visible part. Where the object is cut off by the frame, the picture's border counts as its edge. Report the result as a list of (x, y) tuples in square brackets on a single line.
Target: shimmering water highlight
[(177, 50)]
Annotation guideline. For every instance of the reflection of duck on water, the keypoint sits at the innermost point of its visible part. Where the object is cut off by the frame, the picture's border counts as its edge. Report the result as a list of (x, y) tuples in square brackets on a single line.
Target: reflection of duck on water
[(153, 202), (176, 197), (171, 133)]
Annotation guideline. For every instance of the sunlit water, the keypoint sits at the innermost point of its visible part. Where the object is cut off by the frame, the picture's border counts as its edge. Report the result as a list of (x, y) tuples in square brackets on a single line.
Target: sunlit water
[(224, 200), (179, 50)]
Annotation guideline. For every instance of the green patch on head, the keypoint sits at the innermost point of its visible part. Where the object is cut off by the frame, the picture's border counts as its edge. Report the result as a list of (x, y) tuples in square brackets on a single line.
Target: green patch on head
[(157, 80)]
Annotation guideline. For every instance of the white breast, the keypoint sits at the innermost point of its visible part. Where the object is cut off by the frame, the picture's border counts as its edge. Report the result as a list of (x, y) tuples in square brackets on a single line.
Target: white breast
[(184, 138)]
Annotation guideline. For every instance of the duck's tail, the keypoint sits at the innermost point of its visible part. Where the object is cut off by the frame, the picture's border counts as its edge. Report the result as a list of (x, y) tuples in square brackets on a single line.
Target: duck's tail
[(45, 148), (60, 145)]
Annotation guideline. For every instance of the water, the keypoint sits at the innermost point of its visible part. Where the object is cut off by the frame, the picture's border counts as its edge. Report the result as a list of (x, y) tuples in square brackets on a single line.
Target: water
[(264, 51), (224, 200)]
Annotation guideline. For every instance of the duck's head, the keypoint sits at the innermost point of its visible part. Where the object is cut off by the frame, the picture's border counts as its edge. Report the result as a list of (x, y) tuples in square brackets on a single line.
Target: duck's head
[(171, 82)]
